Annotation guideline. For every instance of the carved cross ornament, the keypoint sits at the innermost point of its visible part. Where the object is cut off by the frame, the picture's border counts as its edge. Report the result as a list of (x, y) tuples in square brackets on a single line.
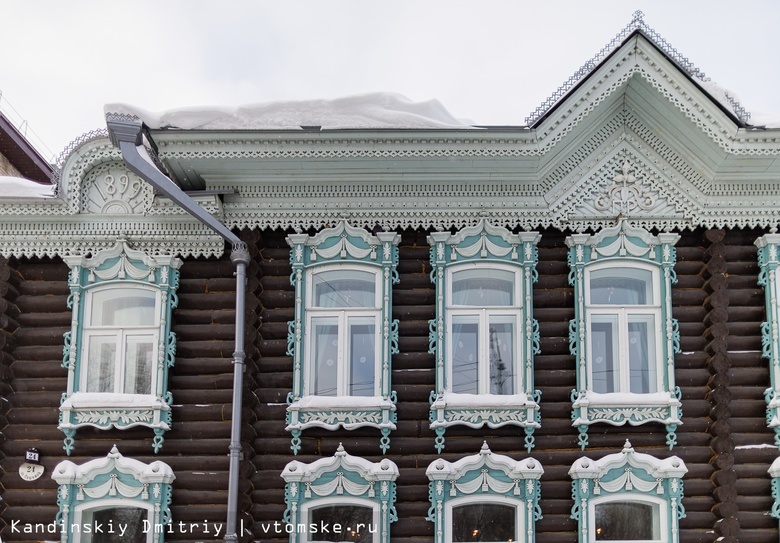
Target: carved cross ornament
[(625, 194)]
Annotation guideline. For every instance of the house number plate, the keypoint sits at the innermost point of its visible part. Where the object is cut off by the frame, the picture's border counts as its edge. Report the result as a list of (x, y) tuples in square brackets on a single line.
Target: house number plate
[(30, 472)]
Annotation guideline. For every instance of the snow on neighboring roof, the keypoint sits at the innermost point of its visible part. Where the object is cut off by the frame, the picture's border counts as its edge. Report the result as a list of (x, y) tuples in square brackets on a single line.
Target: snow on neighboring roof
[(764, 120), (18, 187), (375, 110)]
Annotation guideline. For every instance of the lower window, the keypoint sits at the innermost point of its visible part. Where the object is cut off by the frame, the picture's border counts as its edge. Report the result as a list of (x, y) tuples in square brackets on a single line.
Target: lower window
[(627, 521), (484, 522), (116, 525), (344, 523)]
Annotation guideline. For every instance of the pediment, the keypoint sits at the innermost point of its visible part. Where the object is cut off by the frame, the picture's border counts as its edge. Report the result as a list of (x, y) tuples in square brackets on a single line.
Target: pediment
[(624, 185)]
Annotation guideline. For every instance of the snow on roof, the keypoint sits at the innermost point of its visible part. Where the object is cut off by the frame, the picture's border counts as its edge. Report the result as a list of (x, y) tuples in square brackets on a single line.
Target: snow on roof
[(18, 187), (375, 110)]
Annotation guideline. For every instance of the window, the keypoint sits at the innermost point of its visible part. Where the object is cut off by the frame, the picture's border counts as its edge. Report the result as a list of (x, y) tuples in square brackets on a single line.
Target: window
[(623, 335), (774, 472), (628, 496), (485, 497), (120, 345), (117, 491), (343, 334), (768, 261), (342, 498), (484, 335)]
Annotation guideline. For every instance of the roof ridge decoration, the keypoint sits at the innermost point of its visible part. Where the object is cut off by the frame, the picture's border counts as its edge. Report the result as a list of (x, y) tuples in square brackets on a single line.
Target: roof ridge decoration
[(637, 23)]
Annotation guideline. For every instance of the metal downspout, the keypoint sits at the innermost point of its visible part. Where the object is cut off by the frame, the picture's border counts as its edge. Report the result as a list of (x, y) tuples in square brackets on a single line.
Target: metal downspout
[(128, 134)]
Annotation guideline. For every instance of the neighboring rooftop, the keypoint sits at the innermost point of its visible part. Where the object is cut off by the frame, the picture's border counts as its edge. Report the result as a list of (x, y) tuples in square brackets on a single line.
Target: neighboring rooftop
[(21, 154)]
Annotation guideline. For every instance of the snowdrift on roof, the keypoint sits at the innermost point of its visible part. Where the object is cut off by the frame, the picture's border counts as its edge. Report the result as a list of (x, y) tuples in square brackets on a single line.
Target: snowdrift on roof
[(18, 187), (376, 110)]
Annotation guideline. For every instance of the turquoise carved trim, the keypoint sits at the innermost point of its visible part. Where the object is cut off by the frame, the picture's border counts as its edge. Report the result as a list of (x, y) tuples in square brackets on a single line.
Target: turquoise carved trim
[(626, 247), (484, 478), (489, 247), (342, 247), (119, 268), (774, 472), (344, 480), (113, 481), (768, 261), (628, 476)]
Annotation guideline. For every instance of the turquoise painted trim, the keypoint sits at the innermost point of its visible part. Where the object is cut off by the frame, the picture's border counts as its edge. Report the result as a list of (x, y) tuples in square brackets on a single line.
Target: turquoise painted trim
[(488, 246), (341, 480), (624, 477), (113, 481), (484, 478), (125, 268), (625, 246), (768, 262), (353, 248)]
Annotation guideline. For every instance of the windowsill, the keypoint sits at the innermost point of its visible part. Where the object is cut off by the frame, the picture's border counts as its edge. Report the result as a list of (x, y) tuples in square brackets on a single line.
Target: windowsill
[(108, 400), (455, 399), (619, 408), (624, 399), (348, 412), (340, 402)]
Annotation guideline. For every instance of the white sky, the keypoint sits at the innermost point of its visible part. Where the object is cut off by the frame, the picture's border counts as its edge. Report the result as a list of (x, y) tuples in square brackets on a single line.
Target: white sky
[(491, 62)]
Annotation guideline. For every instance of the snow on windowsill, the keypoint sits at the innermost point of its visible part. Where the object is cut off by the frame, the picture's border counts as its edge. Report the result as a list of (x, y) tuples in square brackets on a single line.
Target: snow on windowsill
[(340, 402), (454, 399), (19, 187), (106, 400), (622, 399), (366, 111)]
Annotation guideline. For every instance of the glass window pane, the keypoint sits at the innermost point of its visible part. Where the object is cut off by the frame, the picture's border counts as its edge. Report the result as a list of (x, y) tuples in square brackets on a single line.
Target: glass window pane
[(357, 523), (362, 347), (484, 522), (627, 521), (123, 307), (483, 287), (138, 364), (501, 350), (101, 362), (641, 353), (604, 349), (621, 286), (128, 523), (344, 288), (465, 349), (326, 352)]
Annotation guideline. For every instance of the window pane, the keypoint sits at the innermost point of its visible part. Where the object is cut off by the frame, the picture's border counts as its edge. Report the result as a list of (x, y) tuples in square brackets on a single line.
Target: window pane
[(501, 349), (127, 519), (357, 523), (326, 352), (622, 286), (362, 343), (138, 365), (627, 521), (603, 345), (101, 361), (484, 522), (641, 353), (465, 345), (123, 307), (483, 287), (344, 288)]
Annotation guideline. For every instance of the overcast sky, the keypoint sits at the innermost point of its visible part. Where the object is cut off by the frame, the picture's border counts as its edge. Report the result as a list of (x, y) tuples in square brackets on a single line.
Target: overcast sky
[(488, 61)]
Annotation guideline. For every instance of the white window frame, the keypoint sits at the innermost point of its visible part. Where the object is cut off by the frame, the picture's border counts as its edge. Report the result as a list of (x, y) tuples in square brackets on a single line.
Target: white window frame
[(120, 333), (623, 314), (483, 315), (342, 315), (341, 501), (494, 499), (663, 516), (84, 512)]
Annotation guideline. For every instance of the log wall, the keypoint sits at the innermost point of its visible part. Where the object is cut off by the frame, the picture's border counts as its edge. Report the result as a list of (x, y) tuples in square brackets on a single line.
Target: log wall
[(723, 439)]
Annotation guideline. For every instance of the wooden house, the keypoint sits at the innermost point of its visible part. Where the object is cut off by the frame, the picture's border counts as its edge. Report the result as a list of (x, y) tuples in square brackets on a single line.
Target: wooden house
[(562, 332)]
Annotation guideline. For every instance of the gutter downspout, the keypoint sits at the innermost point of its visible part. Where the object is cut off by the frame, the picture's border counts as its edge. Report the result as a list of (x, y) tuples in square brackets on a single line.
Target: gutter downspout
[(129, 133)]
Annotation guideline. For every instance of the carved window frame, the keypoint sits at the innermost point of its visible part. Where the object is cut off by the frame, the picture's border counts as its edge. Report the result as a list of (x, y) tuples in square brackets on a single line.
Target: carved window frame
[(768, 262), (488, 246), (774, 473), (113, 481), (121, 268), (348, 248), (484, 478), (628, 477), (343, 480), (624, 247)]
